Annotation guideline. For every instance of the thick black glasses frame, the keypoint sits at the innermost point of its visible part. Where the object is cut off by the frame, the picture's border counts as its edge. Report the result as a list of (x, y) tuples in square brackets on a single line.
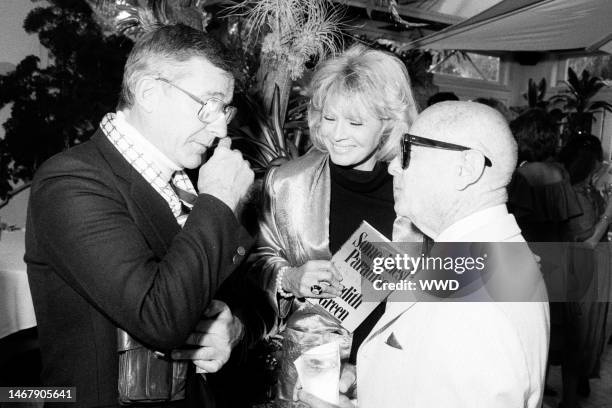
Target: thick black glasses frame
[(409, 140)]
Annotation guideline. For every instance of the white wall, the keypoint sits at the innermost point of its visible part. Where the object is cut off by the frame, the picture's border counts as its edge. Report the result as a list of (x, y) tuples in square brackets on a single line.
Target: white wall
[(513, 84)]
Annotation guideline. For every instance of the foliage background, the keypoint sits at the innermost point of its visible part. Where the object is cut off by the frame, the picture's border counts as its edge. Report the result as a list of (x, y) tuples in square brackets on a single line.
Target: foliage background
[(58, 106)]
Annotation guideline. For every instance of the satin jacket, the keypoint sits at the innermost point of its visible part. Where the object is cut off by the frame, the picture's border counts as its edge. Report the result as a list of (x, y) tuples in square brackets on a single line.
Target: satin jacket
[(293, 230)]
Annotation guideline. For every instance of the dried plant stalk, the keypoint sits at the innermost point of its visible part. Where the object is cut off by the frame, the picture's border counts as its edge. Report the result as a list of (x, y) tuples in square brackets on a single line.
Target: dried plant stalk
[(293, 30)]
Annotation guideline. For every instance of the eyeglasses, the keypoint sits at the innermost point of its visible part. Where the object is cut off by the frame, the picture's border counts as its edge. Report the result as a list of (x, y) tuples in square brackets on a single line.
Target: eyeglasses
[(408, 140), (210, 108)]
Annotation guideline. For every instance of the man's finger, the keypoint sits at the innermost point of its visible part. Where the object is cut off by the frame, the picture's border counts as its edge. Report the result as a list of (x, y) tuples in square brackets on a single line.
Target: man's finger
[(208, 366), (225, 142), (206, 340)]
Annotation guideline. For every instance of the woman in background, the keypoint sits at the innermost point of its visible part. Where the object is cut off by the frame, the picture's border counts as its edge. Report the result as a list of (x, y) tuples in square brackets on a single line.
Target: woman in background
[(542, 200), (585, 313), (361, 104), (540, 194)]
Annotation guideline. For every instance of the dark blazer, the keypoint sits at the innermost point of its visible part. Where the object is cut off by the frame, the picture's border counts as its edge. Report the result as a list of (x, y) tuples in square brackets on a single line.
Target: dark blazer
[(103, 251)]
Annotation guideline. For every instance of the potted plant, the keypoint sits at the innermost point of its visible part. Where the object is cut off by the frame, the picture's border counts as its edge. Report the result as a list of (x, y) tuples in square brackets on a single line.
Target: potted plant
[(576, 101), (536, 93)]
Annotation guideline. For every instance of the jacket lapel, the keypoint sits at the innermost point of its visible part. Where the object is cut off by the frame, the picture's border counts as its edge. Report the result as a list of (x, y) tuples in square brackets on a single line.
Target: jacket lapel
[(150, 211), (394, 311)]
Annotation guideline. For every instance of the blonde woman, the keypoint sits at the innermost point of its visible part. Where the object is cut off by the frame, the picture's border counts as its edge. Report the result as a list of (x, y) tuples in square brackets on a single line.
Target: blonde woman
[(361, 104)]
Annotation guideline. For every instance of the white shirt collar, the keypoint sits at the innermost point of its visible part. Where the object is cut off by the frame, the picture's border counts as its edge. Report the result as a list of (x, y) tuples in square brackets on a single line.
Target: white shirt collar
[(151, 152), (496, 220)]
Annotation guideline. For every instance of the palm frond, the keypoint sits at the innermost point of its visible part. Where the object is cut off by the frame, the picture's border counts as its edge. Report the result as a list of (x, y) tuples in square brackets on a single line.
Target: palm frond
[(572, 79), (600, 105), (579, 91), (276, 120)]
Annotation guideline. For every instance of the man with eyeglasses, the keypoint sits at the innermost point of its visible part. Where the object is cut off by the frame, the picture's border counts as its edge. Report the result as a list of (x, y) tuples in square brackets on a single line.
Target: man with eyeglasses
[(122, 246), (450, 179)]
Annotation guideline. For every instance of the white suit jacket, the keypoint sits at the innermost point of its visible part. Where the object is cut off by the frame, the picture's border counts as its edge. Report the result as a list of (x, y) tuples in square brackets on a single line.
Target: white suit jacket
[(461, 355)]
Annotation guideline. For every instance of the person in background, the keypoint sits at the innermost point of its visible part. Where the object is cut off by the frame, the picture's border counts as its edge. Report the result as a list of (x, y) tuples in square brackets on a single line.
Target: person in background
[(542, 199), (361, 104), (585, 317), (540, 194), (119, 238), (441, 97)]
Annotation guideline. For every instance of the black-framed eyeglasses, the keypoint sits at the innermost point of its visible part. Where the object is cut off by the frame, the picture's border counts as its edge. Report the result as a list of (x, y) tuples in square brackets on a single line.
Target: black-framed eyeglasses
[(408, 140), (209, 108)]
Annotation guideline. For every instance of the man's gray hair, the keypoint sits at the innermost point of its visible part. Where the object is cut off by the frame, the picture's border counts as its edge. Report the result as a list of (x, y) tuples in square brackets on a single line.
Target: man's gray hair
[(160, 52)]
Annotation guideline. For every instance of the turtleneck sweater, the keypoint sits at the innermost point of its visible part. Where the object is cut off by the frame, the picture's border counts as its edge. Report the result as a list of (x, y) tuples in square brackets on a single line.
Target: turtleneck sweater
[(358, 195)]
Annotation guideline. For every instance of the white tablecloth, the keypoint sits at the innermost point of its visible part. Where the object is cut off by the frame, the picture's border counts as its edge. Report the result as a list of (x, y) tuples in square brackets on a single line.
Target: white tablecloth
[(16, 309)]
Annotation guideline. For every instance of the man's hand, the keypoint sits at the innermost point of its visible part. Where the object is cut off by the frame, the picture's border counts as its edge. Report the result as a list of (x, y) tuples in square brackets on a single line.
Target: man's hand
[(216, 335), (226, 175)]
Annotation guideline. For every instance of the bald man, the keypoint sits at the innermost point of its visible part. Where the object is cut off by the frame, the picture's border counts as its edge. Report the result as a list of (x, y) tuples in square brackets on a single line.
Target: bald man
[(450, 180)]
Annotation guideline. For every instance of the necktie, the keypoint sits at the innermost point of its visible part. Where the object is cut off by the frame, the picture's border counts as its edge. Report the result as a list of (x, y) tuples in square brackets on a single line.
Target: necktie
[(185, 192)]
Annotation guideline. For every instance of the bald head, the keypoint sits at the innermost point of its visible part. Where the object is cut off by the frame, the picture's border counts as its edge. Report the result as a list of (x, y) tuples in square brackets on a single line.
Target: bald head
[(441, 186), (473, 125)]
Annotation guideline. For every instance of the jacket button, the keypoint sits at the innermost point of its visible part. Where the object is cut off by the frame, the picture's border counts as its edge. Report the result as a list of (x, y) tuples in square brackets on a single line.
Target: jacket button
[(241, 251)]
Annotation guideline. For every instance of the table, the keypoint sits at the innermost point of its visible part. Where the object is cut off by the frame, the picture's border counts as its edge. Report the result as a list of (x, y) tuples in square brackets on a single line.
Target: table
[(16, 308)]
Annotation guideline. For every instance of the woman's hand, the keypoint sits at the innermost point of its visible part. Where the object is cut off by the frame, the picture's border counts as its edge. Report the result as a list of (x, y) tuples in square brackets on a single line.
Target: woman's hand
[(299, 281)]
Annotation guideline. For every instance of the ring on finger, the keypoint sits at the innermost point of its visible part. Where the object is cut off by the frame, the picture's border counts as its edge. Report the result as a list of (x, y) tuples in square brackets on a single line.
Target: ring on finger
[(316, 290)]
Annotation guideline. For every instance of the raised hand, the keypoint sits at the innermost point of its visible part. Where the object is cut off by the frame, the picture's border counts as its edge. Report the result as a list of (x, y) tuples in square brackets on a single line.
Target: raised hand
[(226, 175)]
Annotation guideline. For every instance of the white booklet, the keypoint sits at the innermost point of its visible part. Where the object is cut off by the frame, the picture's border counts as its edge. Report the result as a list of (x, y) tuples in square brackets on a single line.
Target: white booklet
[(355, 261)]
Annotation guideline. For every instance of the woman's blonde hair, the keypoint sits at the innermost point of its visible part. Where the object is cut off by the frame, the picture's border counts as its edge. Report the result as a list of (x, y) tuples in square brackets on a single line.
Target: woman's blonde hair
[(375, 80)]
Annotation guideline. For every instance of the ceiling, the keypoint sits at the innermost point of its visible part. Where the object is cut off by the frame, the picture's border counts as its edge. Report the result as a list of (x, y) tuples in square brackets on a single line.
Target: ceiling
[(488, 25), (530, 25), (372, 17)]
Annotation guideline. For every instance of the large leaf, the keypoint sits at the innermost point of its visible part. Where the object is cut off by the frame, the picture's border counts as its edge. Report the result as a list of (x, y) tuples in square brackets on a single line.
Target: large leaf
[(277, 120), (601, 105)]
